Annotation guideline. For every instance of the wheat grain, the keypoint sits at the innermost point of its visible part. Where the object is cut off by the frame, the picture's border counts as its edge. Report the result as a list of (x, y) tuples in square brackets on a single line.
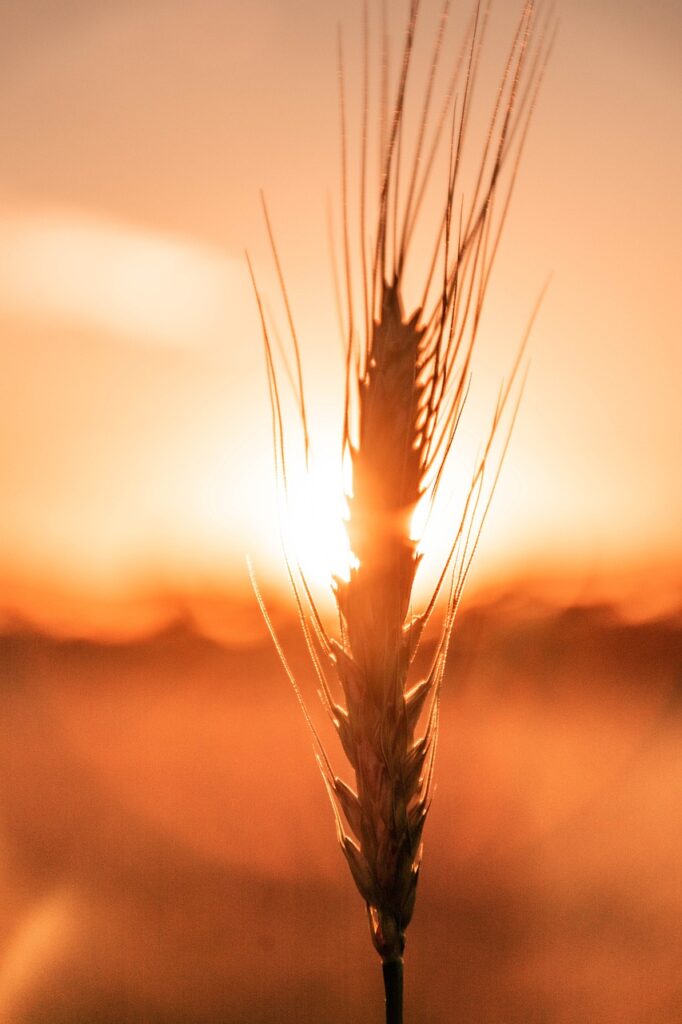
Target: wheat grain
[(406, 384)]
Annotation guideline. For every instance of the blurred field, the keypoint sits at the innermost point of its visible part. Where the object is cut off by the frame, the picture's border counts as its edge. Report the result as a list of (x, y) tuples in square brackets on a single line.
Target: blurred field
[(167, 854)]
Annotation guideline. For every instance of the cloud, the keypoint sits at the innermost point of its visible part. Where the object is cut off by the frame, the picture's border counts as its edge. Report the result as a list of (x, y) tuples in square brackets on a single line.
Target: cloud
[(70, 268)]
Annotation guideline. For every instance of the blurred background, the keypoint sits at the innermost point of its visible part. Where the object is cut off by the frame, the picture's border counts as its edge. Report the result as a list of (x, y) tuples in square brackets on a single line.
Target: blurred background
[(166, 852)]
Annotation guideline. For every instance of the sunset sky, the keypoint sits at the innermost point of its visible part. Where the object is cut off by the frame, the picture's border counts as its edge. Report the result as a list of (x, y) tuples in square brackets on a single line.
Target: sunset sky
[(134, 427)]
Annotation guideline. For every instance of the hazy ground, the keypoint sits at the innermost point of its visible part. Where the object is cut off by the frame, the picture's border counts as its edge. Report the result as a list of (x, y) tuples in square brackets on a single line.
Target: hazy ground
[(167, 854)]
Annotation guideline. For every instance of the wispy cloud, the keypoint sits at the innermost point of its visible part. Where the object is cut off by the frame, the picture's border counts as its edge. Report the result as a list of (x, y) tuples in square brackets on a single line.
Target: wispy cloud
[(126, 281)]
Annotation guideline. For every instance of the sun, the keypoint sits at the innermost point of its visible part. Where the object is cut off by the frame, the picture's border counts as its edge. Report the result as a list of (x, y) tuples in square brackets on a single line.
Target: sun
[(313, 514)]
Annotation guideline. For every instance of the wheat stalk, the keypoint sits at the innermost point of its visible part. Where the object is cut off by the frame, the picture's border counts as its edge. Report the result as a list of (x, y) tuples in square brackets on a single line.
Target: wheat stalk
[(406, 384)]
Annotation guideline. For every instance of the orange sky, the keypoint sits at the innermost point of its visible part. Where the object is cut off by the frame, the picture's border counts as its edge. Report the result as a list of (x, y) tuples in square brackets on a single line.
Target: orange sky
[(133, 423)]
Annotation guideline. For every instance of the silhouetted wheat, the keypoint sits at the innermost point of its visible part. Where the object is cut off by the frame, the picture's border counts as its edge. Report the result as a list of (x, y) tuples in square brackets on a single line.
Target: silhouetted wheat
[(407, 379)]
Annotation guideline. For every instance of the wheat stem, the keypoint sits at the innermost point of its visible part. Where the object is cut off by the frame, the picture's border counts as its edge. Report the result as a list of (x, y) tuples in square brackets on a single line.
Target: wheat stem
[(393, 988)]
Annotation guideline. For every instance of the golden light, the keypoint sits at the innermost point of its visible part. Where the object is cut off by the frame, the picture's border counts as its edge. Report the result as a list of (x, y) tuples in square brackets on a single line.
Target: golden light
[(130, 341), (312, 516), (165, 850)]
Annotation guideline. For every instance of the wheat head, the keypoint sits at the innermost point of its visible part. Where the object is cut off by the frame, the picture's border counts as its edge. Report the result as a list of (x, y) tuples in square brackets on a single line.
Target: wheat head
[(406, 384)]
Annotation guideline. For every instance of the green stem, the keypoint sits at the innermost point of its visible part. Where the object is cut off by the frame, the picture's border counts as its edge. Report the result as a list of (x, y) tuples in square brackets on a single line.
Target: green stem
[(393, 987)]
